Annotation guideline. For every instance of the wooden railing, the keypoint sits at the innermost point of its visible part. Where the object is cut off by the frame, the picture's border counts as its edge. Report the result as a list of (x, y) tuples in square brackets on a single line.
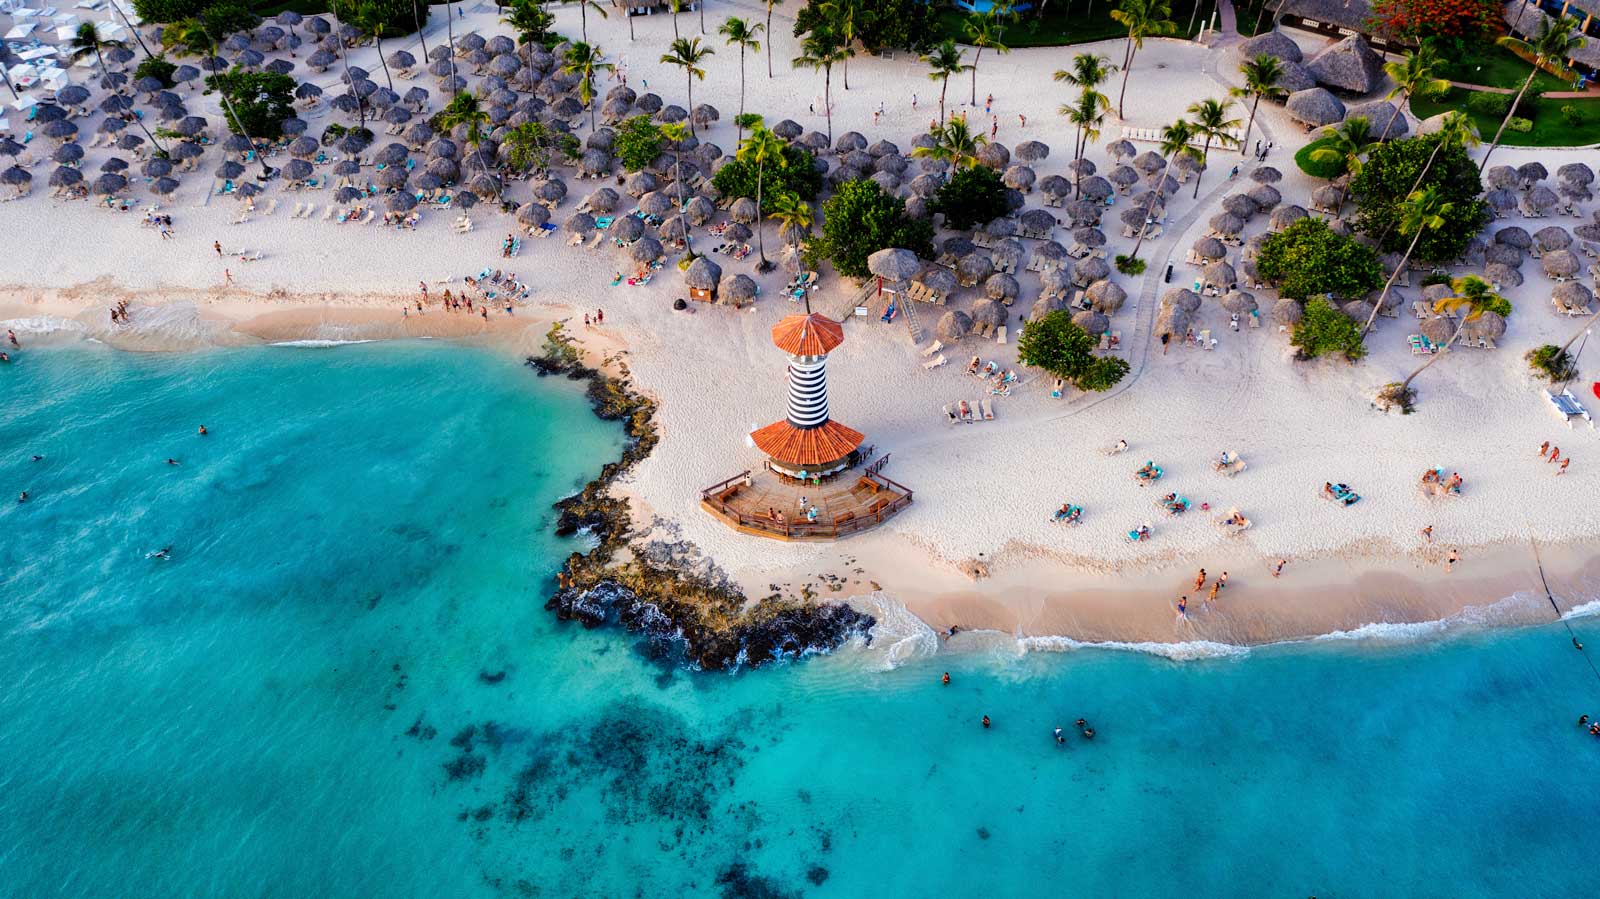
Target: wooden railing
[(716, 498)]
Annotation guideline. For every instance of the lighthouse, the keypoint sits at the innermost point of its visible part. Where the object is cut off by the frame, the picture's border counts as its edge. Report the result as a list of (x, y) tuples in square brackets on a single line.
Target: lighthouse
[(807, 443)]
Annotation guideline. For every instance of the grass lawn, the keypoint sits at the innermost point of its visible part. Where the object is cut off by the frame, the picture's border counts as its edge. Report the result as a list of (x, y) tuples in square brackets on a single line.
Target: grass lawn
[(1327, 171), (1550, 128), (1063, 23), (1492, 65)]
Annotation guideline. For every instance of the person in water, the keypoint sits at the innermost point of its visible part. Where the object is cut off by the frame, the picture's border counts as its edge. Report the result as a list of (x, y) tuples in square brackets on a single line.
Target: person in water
[(946, 679), (1183, 607), (163, 553), (1060, 740), (22, 497), (203, 431), (985, 720), (172, 461)]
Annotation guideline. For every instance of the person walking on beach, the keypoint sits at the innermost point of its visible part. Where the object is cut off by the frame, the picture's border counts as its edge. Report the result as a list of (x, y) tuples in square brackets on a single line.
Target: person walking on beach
[(217, 245), (1555, 453), (1427, 533), (988, 104), (1544, 448), (913, 99), (586, 319), (1450, 562), (1278, 572), (1563, 469), (424, 286), (227, 279), (1200, 579), (1183, 607), (1223, 580), (600, 316), (1022, 119), (1216, 587), (994, 127)]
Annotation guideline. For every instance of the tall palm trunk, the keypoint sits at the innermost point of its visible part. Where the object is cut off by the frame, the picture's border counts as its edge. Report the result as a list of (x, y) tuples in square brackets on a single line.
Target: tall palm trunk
[(1127, 69), (450, 33), (943, 86), (1077, 153), (416, 18), (975, 61), (675, 33), (385, 62), (689, 77), (583, 20), (1404, 99), (827, 100), (677, 160), (1245, 142), (769, 38), (1509, 113), (129, 25), (1145, 228), (741, 90), (1393, 276), (1587, 323), (702, 16), (1205, 153), (1406, 384), (761, 236)]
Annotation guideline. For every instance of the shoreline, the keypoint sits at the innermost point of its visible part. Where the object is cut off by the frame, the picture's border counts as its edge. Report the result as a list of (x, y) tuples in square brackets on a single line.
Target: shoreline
[(1334, 593)]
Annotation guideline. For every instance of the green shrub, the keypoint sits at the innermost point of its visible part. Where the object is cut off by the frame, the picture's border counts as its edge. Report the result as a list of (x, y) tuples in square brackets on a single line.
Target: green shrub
[(1573, 115), (797, 175), (167, 10), (638, 142), (1055, 343), (1324, 329), (1489, 103), (859, 220), (1553, 363), (1128, 265), (398, 17), (1434, 93), (1307, 260), (971, 196), (260, 100), (1326, 169), (156, 67), (1518, 123), (1390, 173)]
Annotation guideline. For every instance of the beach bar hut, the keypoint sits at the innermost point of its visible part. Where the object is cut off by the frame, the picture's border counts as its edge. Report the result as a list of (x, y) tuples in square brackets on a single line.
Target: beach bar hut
[(807, 443)]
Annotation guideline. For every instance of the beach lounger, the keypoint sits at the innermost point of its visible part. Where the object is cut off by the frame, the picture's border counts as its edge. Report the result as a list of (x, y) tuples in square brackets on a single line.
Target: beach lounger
[(1206, 340), (272, 206), (935, 362), (966, 412), (988, 409), (1000, 334), (1105, 343), (1255, 319)]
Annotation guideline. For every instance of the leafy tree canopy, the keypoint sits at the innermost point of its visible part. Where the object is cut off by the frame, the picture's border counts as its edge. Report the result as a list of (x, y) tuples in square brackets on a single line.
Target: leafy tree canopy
[(879, 23), (394, 15), (971, 197), (1386, 179), (638, 142), (167, 10), (157, 67), (737, 178), (1324, 329), (1417, 19), (1057, 345), (1308, 260), (859, 220), (261, 100)]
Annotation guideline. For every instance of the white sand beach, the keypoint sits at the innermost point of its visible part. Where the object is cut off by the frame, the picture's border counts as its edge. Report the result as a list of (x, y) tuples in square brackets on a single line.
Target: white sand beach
[(983, 490)]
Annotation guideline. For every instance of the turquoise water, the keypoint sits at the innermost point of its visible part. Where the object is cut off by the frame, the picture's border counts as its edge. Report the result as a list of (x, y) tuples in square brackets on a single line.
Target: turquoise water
[(342, 684)]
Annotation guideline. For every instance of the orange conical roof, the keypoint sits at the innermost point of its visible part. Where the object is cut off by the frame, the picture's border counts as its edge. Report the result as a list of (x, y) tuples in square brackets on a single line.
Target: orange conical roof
[(807, 335), (828, 442)]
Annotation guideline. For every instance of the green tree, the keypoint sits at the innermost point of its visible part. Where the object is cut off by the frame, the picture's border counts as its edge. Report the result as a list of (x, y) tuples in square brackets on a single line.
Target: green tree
[(1142, 18), (910, 24), (157, 67), (676, 133), (860, 219), (1175, 140), (793, 215), (1473, 297), (954, 143), (1307, 259), (638, 142), (944, 61), (1324, 329), (743, 35), (970, 197), (464, 110), (688, 54), (760, 150), (585, 61), (370, 19), (842, 22), (1553, 42), (1261, 77), (1416, 71), (983, 31), (528, 145), (1553, 363), (1056, 344), (1212, 123), (1394, 170), (798, 175), (1086, 116), (819, 51), (1346, 142), (1423, 211), (583, 15)]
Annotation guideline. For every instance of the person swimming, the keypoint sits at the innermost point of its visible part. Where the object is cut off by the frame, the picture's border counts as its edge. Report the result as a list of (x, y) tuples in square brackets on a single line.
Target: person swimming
[(203, 431), (946, 679), (1060, 740), (164, 553), (1088, 733), (985, 720), (22, 497), (172, 461), (38, 458)]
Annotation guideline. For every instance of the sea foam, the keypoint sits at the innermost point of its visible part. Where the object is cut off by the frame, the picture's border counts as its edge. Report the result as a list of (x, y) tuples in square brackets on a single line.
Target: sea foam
[(318, 344)]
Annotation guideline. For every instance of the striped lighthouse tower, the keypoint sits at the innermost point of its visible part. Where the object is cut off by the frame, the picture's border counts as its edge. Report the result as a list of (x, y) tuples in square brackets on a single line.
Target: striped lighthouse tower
[(808, 442)]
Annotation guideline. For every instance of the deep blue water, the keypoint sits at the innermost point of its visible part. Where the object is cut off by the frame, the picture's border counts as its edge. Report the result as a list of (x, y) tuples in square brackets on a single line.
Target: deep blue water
[(343, 684)]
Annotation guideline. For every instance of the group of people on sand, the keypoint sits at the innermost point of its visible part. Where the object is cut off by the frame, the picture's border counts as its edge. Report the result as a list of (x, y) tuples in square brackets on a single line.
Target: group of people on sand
[(1552, 454), (119, 313), (1211, 598)]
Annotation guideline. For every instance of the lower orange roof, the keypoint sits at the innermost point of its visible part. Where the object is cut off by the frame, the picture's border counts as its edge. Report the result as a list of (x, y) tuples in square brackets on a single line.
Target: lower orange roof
[(786, 443)]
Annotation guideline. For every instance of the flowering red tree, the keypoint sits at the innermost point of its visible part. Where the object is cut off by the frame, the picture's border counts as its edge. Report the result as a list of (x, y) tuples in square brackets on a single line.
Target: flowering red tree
[(1418, 19)]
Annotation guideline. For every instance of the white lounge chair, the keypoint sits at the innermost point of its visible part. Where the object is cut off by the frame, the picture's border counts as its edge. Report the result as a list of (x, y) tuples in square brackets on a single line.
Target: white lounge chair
[(934, 347), (988, 409), (935, 362)]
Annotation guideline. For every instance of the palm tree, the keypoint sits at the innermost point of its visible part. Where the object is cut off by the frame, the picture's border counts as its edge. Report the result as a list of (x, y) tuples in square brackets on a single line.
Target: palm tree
[(983, 31), (1554, 42), (530, 21), (944, 60), (743, 35), (1420, 212), (583, 15), (1261, 77), (760, 149), (1142, 18), (792, 214), (198, 39), (820, 50), (1212, 123), (954, 143), (1175, 140), (85, 41), (1086, 116), (585, 61), (527, 146), (1411, 73), (1455, 129), (131, 30), (1088, 72), (344, 60), (1346, 142), (677, 133), (676, 6), (687, 54), (1472, 296), (770, 5), (841, 18), (370, 19), (450, 35), (464, 110)]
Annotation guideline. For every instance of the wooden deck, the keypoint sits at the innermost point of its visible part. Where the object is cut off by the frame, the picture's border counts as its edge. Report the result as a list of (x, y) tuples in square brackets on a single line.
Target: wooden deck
[(854, 501)]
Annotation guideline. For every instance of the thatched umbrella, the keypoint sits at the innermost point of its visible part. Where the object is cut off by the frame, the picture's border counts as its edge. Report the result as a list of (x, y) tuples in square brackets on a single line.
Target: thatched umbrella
[(1271, 43), (941, 281), (743, 210), (788, 129), (1288, 311), (59, 130), (1356, 310), (1559, 264), (66, 154), (1181, 297), (400, 203), (1266, 175), (1576, 173), (1002, 287), (1240, 205), (114, 164), (640, 183), (972, 268), (1123, 176), (1150, 162), (1046, 304), (1095, 188), (953, 326), (1000, 227), (1239, 303), (1092, 322), (1572, 295), (1087, 271), (989, 314), (882, 148), (579, 223), (229, 170), (1501, 177), (1089, 237), (849, 141), (164, 186), (300, 170), (699, 210), (926, 184), (1350, 65), (815, 141), (1083, 212), (1502, 202), (533, 215), (107, 184), (1485, 325), (1121, 149), (1007, 253), (894, 265), (348, 194), (1219, 275), (1173, 322), (1019, 177), (736, 232), (1589, 232), (1226, 223), (627, 228), (1106, 296), (1055, 281), (1284, 216), (957, 246), (1054, 186), (1210, 249), (702, 274), (1503, 275), (1532, 172), (994, 155), (1437, 329), (1514, 236), (737, 290), (646, 250), (1031, 151), (1552, 237), (1036, 220), (1541, 199), (551, 191), (1315, 107), (1265, 196)]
